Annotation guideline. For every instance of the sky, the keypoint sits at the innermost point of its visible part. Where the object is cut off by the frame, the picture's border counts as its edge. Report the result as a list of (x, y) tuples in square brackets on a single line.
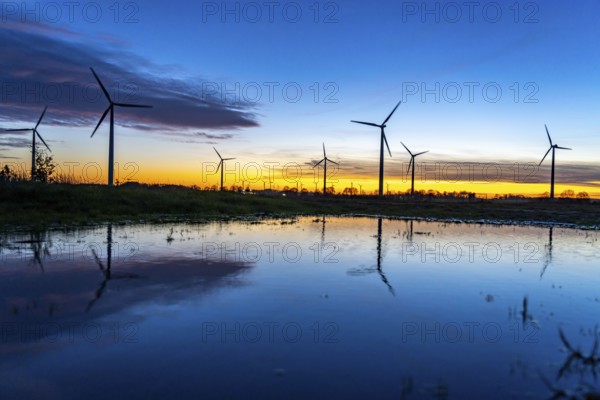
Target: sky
[(269, 82)]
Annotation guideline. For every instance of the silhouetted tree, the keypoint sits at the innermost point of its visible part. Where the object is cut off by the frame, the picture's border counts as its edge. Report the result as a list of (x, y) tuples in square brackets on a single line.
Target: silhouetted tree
[(350, 191), (567, 194), (7, 175), (44, 167), (583, 195)]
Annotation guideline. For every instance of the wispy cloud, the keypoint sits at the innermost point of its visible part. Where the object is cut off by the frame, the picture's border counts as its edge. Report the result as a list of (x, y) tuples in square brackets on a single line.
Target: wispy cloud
[(14, 142), (41, 66), (440, 171)]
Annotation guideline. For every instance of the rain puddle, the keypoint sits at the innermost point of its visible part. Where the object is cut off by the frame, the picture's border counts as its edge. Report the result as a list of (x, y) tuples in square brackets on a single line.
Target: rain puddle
[(313, 307)]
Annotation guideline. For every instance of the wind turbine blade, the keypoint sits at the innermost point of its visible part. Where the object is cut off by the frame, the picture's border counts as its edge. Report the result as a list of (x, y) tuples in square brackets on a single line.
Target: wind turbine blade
[(367, 123), (563, 148), (392, 113), (333, 162), (218, 154), (42, 139), (423, 152), (132, 105), (548, 152), (98, 260), (386, 143), (317, 164), (228, 159), (406, 148), (101, 85), (17, 130), (324, 154), (548, 133), (41, 116), (219, 166), (412, 159), (101, 119)]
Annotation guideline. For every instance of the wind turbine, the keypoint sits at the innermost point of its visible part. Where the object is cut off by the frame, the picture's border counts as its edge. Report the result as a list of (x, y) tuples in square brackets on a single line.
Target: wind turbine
[(34, 133), (383, 139), (412, 163), (111, 108), (222, 166), (552, 148), (324, 161)]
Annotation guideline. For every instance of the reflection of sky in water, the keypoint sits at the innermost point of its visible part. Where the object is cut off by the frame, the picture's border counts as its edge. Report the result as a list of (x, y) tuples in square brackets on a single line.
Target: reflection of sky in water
[(281, 309)]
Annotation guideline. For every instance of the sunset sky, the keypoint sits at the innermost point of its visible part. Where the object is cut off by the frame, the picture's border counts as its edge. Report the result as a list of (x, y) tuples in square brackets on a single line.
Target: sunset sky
[(269, 82)]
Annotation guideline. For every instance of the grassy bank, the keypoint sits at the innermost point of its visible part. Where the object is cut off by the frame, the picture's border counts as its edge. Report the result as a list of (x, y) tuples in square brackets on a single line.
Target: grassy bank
[(27, 204)]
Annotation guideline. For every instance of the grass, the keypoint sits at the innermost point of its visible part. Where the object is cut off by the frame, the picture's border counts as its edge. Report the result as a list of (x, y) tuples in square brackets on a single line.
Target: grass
[(26, 204)]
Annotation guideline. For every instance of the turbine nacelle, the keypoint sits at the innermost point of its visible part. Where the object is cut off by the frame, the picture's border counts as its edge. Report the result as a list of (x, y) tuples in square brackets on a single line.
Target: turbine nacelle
[(33, 130), (222, 159), (382, 126), (412, 157), (552, 146), (112, 104), (325, 158)]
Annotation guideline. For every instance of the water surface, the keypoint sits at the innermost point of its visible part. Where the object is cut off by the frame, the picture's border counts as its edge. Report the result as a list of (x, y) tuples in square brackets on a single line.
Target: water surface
[(307, 308)]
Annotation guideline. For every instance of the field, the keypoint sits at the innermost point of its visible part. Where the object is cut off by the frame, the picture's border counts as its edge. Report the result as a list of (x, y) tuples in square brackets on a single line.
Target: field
[(24, 204)]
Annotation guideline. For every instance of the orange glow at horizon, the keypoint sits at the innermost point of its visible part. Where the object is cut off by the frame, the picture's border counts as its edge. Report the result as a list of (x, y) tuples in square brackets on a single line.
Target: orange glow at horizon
[(368, 186)]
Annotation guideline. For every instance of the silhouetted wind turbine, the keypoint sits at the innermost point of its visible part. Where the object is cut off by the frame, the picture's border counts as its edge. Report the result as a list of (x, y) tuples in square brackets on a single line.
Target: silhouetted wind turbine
[(222, 165), (552, 148), (324, 161), (412, 163), (111, 108), (34, 133), (383, 139)]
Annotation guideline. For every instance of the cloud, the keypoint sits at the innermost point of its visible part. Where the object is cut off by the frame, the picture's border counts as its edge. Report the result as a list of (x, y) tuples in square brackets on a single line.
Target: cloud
[(13, 142), (216, 137), (44, 66), (446, 171)]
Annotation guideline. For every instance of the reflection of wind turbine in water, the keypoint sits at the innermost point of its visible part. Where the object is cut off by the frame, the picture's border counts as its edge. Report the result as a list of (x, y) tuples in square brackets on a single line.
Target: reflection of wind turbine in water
[(383, 277), (362, 270), (105, 271), (323, 231), (38, 246), (548, 259), (409, 230)]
